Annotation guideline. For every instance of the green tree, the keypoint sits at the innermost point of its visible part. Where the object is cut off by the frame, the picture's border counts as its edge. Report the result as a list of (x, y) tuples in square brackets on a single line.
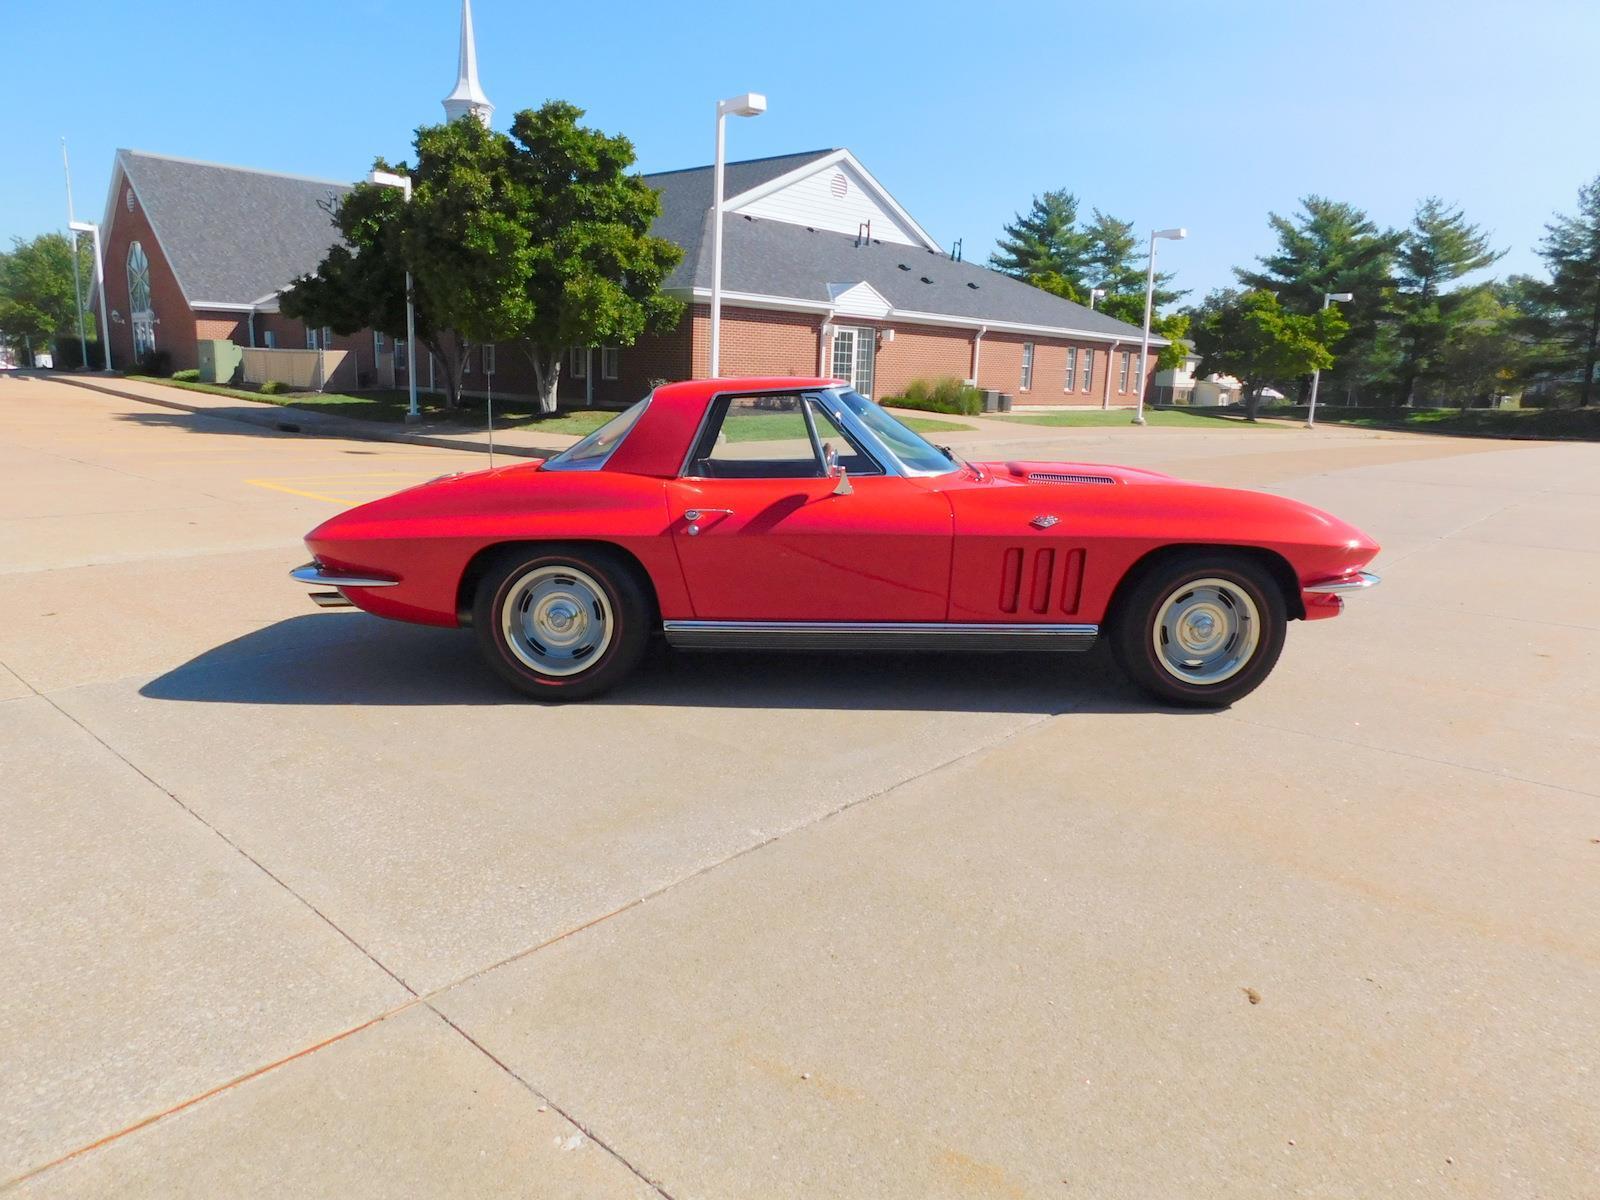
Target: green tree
[(1254, 338), (1117, 261), (1483, 356), (594, 271), (1439, 249), (539, 238), (37, 302), (1044, 241), (1561, 316), (1330, 246), (1057, 285)]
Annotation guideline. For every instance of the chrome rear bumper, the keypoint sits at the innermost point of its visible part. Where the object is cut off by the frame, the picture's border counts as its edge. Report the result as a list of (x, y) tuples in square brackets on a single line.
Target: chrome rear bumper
[(1359, 582)]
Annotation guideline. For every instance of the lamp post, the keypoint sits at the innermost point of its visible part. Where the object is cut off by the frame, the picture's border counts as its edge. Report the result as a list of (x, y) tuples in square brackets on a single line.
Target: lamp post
[(751, 104), (100, 286), (1172, 235), (1096, 294), (1316, 375), (413, 413)]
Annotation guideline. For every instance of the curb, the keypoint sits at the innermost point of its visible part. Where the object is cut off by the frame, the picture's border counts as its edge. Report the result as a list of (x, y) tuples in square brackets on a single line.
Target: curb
[(283, 419)]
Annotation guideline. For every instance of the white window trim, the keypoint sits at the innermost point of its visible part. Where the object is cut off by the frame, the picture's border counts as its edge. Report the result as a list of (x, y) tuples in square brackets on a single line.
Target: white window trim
[(1070, 383), (1027, 366), (610, 357), (578, 362)]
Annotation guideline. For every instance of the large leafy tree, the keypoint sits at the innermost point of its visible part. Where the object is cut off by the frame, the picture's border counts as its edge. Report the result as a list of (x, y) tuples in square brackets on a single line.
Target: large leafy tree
[(1483, 355), (1330, 246), (1431, 314), (1044, 241), (1253, 337), (1562, 315), (594, 271), (37, 301), (540, 238)]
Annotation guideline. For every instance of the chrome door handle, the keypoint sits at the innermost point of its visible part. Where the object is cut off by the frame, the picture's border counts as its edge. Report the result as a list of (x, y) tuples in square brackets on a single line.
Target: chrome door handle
[(694, 514)]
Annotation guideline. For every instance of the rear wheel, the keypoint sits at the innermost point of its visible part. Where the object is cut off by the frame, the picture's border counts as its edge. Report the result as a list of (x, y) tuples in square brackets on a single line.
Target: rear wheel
[(1201, 629), (561, 623)]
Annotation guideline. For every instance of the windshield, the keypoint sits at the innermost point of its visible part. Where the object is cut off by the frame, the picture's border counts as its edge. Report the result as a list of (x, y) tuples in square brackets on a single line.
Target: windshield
[(914, 451), (591, 453)]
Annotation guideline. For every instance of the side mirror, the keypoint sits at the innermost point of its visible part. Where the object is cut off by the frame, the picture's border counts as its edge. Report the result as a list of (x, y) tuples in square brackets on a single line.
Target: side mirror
[(842, 487)]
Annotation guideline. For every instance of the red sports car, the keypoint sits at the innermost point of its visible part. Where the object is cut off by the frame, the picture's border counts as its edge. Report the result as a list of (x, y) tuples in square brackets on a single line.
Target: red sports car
[(795, 514)]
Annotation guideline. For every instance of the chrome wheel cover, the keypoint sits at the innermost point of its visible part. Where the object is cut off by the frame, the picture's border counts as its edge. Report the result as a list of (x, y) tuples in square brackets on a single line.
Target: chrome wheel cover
[(557, 620), (1206, 631)]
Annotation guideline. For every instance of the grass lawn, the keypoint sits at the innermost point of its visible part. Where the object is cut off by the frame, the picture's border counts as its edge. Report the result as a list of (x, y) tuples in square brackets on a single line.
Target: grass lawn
[(1574, 424), (1172, 417), (390, 405)]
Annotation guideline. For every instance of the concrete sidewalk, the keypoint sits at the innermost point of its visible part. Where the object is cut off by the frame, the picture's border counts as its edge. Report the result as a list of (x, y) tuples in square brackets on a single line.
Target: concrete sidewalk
[(521, 443)]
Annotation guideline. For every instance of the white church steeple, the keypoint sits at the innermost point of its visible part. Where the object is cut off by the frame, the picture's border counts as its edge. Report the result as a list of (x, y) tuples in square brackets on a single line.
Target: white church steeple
[(468, 96)]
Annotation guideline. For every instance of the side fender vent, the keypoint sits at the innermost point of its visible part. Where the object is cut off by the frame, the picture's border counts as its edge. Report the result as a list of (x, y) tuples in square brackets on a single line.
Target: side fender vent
[(1030, 579), (1063, 477)]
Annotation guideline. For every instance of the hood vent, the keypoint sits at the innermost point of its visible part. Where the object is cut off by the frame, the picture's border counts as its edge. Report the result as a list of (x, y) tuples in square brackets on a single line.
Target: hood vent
[(1062, 477)]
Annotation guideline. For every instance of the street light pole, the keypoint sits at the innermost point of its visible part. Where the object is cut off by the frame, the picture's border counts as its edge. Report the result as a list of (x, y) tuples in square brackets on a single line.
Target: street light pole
[(1316, 373), (1096, 294), (413, 413), (1171, 235), (100, 286), (77, 282), (751, 104)]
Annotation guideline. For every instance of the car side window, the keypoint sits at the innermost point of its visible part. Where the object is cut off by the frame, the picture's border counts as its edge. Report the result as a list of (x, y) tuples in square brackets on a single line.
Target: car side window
[(775, 436)]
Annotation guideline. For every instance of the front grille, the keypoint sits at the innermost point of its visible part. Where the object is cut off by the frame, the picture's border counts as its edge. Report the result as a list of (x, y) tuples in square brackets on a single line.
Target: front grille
[(1062, 477)]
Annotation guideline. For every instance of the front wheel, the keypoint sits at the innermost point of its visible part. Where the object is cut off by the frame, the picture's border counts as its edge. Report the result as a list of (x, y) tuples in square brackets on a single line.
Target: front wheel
[(1200, 630), (562, 623)]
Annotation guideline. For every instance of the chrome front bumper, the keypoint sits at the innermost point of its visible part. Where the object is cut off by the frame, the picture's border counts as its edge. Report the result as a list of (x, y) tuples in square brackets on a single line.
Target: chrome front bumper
[(319, 576), (1359, 582)]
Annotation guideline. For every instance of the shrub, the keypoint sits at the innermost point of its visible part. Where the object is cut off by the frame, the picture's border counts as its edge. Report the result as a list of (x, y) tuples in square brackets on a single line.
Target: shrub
[(189, 376), (154, 362), (947, 395), (273, 387)]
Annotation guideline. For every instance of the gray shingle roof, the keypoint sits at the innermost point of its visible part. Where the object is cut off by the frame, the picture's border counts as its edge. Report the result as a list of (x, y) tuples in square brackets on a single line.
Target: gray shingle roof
[(232, 234), (773, 258)]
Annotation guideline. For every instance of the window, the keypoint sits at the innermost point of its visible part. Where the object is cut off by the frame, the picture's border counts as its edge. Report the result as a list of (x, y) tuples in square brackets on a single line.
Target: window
[(1072, 369), (400, 354), (1088, 369), (591, 453), (327, 337), (311, 338), (855, 352), (775, 436), (377, 345), (609, 356), (270, 339), (466, 358), (578, 362), (1027, 365), (488, 358), (1122, 371), (138, 278)]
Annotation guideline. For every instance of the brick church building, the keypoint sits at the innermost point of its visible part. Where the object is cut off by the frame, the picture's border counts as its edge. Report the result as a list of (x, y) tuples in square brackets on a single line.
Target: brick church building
[(824, 272)]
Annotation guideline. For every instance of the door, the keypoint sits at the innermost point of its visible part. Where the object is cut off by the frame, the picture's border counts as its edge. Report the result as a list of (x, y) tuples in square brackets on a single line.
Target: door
[(763, 533), (854, 356)]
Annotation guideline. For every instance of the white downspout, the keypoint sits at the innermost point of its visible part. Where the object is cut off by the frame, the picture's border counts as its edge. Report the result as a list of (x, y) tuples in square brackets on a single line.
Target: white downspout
[(1105, 392), (824, 345), (977, 353)]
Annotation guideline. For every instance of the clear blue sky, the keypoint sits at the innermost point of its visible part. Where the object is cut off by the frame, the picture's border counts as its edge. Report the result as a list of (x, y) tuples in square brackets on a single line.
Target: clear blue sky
[(1199, 114)]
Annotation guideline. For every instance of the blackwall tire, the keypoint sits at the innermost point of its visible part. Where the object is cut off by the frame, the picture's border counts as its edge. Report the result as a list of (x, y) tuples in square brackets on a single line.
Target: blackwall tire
[(562, 622), (1200, 630)]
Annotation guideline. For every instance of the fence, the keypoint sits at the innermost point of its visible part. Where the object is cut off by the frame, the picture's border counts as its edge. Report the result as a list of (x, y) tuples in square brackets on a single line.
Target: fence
[(303, 370)]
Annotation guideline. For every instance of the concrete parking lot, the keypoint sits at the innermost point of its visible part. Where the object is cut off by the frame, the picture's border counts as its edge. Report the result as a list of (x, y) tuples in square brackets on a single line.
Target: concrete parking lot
[(300, 903)]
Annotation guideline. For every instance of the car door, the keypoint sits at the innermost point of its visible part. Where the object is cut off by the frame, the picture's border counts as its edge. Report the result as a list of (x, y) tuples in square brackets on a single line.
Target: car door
[(764, 533)]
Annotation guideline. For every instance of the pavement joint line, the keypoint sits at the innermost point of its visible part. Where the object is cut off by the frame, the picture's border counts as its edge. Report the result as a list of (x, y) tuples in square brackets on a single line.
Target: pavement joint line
[(1389, 750), (1472, 612), (587, 1132), (428, 997)]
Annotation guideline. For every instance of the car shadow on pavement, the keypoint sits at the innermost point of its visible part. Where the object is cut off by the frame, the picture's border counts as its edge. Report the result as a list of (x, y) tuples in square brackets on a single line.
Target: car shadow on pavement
[(353, 659)]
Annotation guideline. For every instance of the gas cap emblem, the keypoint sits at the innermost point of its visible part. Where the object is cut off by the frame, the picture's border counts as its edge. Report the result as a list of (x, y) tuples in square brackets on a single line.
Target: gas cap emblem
[(1044, 520)]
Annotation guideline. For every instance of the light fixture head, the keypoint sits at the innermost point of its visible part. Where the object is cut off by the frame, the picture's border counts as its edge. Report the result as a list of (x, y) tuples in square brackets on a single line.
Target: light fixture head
[(82, 226), (751, 104), (1342, 297), (1172, 235), (390, 179), (1098, 293)]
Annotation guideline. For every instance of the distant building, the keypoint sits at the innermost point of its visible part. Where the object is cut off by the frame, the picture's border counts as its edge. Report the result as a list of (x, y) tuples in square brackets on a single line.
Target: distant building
[(824, 272)]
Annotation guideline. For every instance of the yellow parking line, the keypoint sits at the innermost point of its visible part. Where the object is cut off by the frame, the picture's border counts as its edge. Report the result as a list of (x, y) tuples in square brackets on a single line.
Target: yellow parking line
[(278, 487)]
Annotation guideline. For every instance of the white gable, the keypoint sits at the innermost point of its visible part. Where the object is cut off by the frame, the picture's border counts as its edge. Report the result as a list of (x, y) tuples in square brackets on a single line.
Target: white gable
[(836, 196), (858, 299)]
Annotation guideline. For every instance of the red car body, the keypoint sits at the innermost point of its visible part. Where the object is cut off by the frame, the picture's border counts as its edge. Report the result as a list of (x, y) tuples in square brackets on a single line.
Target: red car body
[(998, 545)]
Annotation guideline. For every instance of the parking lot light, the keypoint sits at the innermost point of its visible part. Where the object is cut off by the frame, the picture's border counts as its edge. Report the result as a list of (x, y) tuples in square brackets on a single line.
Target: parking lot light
[(750, 104), (413, 413), (1171, 235), (1316, 375)]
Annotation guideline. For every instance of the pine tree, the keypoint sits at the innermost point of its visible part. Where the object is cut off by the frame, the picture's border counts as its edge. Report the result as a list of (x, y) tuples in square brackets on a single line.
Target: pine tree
[(1563, 315), (1044, 241), (1116, 260), (1331, 246), (1440, 248)]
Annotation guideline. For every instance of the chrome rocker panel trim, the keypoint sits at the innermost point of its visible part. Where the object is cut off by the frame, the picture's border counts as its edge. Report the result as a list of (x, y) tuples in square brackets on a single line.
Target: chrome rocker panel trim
[(1359, 582), (316, 573), (875, 635)]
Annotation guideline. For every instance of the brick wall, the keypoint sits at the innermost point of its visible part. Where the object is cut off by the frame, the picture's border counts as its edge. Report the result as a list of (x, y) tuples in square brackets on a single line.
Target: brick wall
[(758, 342), (175, 332)]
